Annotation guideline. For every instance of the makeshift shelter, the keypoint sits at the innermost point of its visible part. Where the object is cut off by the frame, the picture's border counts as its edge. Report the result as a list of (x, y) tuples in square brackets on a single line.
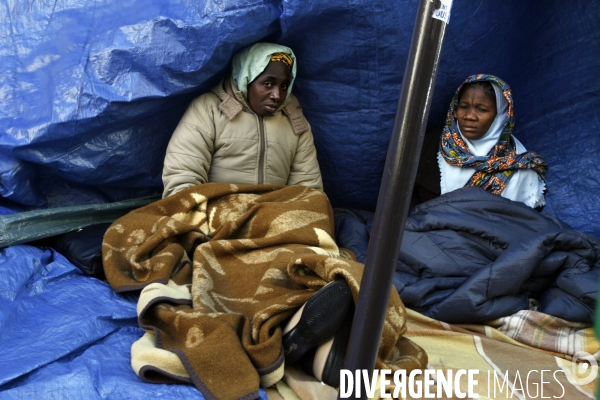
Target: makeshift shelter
[(91, 92)]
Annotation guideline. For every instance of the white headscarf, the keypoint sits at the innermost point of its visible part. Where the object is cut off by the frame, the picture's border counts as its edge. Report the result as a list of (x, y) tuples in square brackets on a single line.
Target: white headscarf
[(525, 185), (250, 62)]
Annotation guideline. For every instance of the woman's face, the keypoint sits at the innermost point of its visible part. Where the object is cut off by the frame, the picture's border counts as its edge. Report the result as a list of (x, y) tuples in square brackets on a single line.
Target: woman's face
[(268, 91), (475, 113)]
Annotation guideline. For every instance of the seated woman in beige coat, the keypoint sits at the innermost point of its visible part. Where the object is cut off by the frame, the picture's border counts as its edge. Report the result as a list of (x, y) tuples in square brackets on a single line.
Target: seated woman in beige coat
[(249, 129)]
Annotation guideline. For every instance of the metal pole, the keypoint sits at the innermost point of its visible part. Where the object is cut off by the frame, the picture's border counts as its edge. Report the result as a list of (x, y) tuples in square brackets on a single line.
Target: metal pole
[(396, 186)]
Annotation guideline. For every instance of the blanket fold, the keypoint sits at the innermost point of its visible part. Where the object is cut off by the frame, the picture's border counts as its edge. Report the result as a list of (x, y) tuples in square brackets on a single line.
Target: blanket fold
[(220, 268)]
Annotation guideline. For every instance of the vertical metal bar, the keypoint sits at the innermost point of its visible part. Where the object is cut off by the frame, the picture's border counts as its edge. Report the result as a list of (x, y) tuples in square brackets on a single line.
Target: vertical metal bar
[(396, 187)]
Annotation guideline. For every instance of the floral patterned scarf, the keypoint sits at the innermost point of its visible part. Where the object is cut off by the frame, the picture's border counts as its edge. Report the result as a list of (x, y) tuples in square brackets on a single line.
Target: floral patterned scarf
[(493, 171)]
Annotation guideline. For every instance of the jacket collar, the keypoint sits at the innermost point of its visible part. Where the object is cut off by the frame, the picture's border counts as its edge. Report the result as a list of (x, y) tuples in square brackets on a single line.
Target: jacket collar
[(230, 105)]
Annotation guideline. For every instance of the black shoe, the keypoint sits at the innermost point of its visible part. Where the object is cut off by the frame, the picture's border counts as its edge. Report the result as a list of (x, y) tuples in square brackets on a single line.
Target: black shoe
[(325, 361), (317, 320)]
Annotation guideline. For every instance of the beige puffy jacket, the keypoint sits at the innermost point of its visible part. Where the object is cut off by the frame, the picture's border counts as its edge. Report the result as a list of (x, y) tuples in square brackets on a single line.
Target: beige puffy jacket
[(220, 139)]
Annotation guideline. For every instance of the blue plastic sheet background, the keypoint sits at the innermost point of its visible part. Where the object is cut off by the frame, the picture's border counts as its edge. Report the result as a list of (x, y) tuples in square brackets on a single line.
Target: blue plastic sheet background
[(90, 92), (68, 336)]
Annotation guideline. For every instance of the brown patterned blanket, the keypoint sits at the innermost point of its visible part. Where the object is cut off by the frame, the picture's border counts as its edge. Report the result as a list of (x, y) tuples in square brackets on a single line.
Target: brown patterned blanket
[(221, 267)]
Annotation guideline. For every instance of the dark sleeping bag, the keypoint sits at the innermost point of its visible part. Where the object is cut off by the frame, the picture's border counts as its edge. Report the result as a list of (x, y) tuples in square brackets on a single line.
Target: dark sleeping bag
[(470, 256), (83, 248)]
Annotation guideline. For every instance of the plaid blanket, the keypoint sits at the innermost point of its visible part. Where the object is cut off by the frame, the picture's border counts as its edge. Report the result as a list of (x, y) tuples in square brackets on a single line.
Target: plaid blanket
[(515, 356), (220, 267), (509, 355), (547, 333)]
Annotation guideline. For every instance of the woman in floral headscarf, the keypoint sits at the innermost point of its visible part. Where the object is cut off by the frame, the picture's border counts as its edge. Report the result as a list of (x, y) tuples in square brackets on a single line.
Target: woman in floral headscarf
[(477, 147), (249, 129)]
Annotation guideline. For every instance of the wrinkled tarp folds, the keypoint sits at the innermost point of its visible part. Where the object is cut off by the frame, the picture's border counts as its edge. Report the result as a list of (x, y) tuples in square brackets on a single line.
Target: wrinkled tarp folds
[(67, 336), (90, 92), (33, 225)]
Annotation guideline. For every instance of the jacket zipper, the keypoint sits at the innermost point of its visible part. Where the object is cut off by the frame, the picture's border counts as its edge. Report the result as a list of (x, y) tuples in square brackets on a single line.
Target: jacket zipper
[(261, 157)]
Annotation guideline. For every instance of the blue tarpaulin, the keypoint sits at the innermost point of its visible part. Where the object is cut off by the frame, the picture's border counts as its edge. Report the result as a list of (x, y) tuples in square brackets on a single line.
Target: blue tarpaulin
[(90, 93), (66, 335)]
